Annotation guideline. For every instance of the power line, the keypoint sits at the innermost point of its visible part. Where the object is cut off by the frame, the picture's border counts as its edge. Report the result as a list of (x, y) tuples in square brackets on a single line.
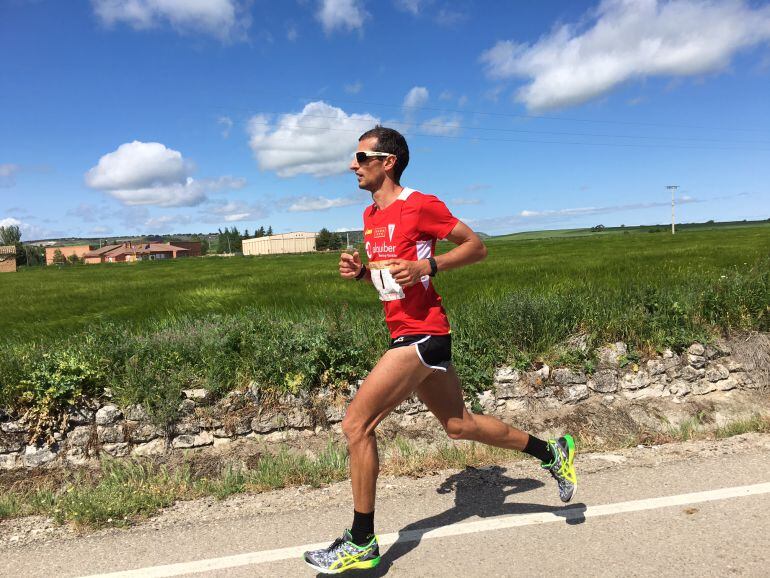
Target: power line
[(510, 115), (532, 141), (453, 126)]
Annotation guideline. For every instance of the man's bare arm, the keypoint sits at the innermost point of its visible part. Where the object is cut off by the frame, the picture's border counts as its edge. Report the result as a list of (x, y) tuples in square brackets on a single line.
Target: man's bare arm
[(470, 249)]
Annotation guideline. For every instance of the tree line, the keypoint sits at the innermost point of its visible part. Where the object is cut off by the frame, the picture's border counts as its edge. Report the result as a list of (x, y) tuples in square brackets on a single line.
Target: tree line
[(25, 254), (231, 240)]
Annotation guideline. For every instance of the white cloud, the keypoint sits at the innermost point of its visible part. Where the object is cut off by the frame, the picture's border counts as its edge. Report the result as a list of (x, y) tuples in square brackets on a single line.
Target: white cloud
[(227, 124), (29, 231), (224, 19), (291, 33), (465, 201), (346, 14), (320, 203), (414, 7), (100, 230), (225, 183), (86, 212), (627, 39), (8, 174), (138, 165), (235, 211), (186, 194), (450, 18), (416, 97), (10, 222), (354, 88), (599, 210), (166, 220), (558, 215), (140, 173), (318, 141), (446, 125)]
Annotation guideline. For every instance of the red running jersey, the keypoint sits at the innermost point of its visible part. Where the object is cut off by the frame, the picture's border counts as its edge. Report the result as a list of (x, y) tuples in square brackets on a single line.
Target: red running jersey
[(407, 229)]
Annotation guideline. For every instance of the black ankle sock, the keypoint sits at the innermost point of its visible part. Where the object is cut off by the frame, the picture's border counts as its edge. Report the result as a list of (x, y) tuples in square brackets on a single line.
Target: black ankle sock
[(363, 527), (539, 449)]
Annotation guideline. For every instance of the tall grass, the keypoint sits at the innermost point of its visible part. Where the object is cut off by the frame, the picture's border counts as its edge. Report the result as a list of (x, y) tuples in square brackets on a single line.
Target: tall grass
[(289, 323)]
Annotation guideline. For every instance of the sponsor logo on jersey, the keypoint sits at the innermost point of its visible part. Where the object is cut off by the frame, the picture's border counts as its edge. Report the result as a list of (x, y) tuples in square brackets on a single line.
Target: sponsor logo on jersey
[(379, 232), (368, 232), (391, 228), (382, 249), (398, 340)]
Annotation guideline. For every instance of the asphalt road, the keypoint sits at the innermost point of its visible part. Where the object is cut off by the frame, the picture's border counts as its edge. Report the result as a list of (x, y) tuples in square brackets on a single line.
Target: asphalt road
[(696, 508)]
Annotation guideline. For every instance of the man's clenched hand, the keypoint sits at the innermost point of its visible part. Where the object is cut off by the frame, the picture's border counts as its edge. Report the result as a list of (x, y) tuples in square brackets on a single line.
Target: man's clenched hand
[(408, 273), (350, 265)]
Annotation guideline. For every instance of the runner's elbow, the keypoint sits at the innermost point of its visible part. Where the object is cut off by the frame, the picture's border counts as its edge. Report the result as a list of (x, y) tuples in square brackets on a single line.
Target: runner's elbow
[(481, 251)]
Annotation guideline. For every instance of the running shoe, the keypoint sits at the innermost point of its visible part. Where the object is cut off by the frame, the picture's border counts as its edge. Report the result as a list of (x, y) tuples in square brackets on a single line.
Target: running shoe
[(343, 555), (561, 467)]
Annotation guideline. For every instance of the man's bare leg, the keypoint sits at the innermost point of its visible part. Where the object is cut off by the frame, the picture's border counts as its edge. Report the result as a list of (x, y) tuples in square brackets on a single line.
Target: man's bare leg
[(442, 394), (398, 373)]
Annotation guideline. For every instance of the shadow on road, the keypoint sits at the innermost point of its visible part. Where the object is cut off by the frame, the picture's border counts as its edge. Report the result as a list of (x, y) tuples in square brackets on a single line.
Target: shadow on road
[(478, 492)]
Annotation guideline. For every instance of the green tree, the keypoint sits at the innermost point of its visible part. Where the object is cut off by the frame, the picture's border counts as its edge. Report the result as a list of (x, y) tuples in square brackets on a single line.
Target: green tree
[(323, 240), (35, 255), (335, 241), (269, 230), (260, 232), (74, 260), (10, 235), (246, 234), (58, 257), (235, 240), (222, 246)]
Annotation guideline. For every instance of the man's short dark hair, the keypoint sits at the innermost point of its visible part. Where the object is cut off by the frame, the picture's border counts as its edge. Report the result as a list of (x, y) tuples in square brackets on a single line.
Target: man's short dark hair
[(392, 142)]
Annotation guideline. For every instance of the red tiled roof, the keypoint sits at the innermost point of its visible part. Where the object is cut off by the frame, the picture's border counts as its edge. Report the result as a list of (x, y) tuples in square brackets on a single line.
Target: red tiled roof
[(141, 248), (101, 251)]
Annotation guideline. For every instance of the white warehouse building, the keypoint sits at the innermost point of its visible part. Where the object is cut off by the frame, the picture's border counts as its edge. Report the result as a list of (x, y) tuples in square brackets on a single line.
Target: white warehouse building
[(298, 242)]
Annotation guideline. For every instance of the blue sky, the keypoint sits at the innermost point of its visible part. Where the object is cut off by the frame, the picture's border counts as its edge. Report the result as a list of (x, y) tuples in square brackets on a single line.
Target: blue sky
[(121, 117)]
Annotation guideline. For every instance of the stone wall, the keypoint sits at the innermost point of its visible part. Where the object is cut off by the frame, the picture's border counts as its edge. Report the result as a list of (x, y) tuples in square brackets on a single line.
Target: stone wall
[(699, 372)]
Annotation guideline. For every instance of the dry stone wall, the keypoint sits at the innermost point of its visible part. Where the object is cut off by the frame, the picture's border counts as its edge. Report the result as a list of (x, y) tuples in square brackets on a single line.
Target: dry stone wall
[(700, 371)]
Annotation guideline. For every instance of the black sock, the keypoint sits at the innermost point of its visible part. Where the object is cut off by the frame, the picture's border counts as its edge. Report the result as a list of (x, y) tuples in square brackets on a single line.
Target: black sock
[(539, 449), (363, 527)]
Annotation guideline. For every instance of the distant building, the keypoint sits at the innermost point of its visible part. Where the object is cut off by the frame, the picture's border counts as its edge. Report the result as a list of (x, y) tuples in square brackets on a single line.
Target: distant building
[(7, 259), (298, 242), (128, 252), (66, 251), (193, 247)]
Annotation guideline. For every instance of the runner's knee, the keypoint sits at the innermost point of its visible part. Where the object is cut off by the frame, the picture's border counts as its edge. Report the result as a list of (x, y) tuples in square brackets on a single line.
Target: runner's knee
[(460, 428), (354, 428)]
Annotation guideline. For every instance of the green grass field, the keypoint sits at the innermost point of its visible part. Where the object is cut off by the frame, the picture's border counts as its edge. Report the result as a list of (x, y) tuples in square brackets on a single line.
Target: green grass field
[(289, 322), (51, 302)]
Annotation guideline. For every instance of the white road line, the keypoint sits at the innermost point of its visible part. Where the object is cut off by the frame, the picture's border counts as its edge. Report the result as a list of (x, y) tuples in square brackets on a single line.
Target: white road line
[(500, 523)]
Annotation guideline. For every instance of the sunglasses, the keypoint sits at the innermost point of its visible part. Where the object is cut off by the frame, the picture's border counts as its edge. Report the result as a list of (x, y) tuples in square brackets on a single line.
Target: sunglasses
[(361, 156)]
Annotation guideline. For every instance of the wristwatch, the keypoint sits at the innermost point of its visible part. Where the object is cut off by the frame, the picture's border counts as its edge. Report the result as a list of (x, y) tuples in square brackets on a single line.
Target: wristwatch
[(433, 267)]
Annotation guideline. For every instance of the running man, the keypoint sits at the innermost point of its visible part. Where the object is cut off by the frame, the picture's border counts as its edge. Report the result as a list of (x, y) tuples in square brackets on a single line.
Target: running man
[(400, 232)]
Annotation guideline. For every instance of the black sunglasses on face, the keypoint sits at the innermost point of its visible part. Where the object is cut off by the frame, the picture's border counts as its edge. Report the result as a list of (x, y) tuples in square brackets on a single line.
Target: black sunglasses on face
[(361, 156)]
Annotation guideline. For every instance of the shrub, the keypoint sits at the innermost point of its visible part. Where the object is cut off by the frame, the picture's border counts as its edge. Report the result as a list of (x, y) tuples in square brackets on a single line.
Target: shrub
[(54, 381)]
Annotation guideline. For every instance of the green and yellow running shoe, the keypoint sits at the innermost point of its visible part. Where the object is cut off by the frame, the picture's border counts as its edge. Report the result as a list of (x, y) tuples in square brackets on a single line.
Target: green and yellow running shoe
[(343, 554), (561, 467)]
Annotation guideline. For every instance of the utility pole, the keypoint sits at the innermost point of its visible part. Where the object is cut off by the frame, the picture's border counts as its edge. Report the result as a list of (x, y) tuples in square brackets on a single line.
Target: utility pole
[(673, 189)]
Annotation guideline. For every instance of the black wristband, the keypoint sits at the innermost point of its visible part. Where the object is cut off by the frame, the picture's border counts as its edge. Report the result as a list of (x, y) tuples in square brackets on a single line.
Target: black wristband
[(361, 273), (433, 267)]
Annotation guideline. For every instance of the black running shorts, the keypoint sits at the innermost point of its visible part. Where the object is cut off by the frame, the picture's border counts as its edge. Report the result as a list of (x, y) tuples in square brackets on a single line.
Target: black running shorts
[(435, 351)]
